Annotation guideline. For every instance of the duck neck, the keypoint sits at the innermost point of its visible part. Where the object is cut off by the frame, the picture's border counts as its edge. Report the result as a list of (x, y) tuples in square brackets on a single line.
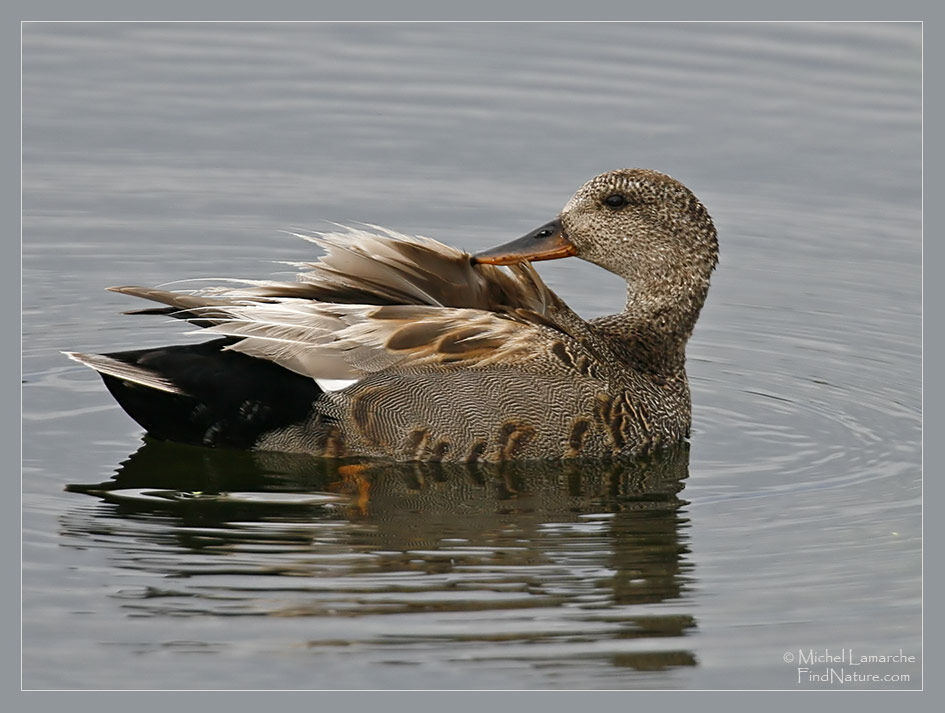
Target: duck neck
[(655, 326)]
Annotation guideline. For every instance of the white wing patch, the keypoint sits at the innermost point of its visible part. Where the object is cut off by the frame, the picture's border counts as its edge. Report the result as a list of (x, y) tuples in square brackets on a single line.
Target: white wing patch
[(334, 384)]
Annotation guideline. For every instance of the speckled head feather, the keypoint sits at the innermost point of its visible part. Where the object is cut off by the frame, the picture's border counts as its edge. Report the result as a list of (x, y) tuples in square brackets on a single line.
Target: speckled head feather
[(630, 217)]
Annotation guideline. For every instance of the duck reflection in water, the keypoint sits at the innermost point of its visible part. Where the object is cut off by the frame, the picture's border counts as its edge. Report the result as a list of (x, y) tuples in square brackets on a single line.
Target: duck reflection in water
[(603, 544)]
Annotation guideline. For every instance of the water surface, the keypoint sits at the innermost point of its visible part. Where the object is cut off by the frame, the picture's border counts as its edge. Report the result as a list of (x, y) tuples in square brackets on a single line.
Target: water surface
[(157, 152)]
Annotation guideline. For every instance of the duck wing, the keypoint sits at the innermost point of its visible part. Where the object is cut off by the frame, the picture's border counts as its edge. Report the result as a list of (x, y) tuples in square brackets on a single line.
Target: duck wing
[(380, 268), (375, 300)]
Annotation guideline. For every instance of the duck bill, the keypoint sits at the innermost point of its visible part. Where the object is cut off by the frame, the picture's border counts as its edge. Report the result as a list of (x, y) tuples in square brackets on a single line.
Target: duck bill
[(545, 243)]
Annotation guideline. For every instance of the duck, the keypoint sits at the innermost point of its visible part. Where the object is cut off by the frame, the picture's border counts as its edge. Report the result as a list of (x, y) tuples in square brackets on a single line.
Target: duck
[(402, 348)]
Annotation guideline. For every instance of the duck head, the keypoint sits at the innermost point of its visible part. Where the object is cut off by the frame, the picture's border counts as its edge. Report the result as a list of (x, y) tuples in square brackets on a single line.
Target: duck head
[(637, 223)]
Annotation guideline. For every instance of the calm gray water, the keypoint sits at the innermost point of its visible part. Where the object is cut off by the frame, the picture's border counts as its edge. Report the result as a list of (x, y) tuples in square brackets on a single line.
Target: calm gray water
[(157, 152)]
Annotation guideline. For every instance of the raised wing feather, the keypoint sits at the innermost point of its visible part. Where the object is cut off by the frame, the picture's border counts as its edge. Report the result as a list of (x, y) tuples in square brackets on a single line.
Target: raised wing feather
[(375, 300), (347, 341)]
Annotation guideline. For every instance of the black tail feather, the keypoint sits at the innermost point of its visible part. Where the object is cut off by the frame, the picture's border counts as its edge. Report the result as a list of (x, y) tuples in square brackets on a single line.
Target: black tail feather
[(229, 399)]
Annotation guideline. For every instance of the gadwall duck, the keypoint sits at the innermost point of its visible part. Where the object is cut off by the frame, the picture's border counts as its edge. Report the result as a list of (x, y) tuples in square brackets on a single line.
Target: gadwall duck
[(445, 356)]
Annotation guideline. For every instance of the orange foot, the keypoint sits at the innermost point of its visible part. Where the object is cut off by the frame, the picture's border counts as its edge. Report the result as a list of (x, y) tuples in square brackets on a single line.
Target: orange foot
[(353, 475)]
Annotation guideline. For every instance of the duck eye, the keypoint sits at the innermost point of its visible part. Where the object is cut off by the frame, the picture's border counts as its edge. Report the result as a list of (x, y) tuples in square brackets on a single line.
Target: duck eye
[(616, 200)]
